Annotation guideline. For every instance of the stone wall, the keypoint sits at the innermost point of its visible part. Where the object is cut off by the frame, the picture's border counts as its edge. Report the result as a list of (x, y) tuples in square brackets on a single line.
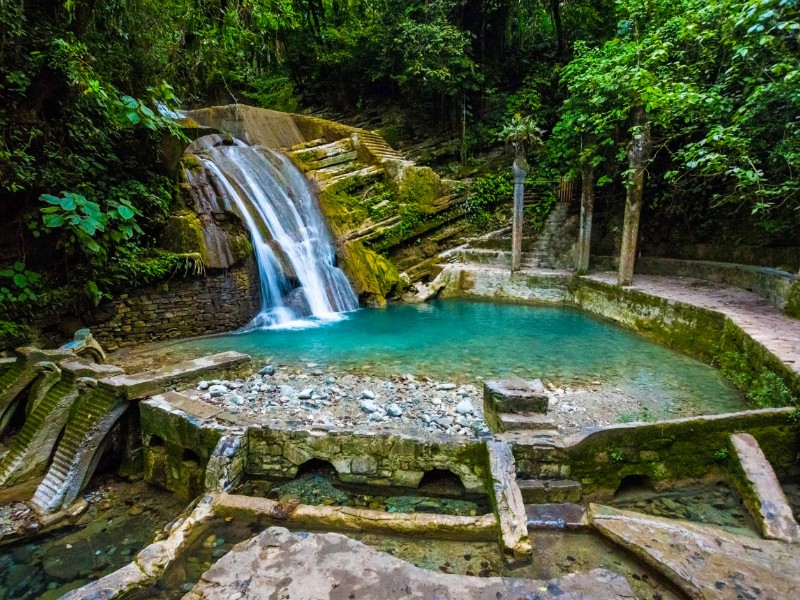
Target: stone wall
[(216, 302), (365, 456), (667, 451)]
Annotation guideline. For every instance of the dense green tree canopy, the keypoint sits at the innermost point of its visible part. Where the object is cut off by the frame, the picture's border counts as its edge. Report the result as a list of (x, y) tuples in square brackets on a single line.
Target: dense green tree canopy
[(83, 84)]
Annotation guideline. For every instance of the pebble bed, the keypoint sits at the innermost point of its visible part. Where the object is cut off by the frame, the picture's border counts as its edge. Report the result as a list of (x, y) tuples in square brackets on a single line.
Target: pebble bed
[(322, 399)]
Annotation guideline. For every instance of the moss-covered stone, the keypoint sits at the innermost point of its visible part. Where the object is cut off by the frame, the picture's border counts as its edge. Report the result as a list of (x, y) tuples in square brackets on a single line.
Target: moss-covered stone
[(414, 185), (183, 234), (793, 301), (372, 276)]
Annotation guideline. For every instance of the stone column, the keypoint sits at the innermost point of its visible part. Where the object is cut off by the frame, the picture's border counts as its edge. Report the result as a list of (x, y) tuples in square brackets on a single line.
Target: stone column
[(520, 170)]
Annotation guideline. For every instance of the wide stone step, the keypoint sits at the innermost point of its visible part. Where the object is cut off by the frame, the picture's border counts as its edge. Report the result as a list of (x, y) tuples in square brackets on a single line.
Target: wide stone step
[(336, 171), (332, 161), (306, 155), (525, 421), (366, 173), (549, 491)]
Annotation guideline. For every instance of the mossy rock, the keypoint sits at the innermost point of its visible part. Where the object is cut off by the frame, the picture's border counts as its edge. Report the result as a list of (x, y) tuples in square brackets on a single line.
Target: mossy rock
[(792, 308), (183, 234), (373, 277), (415, 185), (341, 207)]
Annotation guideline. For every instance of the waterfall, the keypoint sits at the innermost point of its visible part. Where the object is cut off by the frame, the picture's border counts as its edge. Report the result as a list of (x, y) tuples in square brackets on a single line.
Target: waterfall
[(292, 247)]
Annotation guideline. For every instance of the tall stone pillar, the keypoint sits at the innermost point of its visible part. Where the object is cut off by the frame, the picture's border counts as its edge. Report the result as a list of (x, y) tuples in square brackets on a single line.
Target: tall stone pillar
[(520, 171)]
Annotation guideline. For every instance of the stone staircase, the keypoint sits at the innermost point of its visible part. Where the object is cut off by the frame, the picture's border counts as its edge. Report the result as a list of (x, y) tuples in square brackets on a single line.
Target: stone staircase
[(91, 418), (47, 415), (552, 248), (338, 162), (50, 414)]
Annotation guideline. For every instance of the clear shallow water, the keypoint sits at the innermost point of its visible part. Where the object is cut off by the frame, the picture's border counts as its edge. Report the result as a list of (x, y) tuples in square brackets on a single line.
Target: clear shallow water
[(556, 553), (466, 340)]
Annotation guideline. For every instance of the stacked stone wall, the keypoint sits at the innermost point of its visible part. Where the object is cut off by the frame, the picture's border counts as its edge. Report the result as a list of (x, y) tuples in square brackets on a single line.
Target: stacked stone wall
[(216, 302)]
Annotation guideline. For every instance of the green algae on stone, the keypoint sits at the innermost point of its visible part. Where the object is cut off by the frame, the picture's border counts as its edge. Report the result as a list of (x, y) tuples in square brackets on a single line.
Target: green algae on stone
[(372, 276)]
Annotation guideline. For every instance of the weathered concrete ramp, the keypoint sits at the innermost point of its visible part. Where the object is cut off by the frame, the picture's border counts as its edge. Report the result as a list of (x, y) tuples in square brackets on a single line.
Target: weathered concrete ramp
[(307, 566), (96, 411), (507, 500), (90, 419), (31, 363), (705, 562), (761, 490), (32, 447)]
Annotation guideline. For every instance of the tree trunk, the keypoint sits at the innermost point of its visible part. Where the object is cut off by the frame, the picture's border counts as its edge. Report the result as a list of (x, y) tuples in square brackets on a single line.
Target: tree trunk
[(638, 154), (587, 208), (520, 170)]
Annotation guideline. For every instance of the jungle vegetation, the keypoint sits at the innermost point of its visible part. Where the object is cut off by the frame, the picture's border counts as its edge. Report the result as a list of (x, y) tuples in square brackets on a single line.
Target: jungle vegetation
[(688, 110)]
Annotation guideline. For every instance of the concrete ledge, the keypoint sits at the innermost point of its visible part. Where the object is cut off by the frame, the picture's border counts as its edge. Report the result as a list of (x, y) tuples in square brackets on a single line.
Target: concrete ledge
[(769, 283), (346, 518), (147, 383)]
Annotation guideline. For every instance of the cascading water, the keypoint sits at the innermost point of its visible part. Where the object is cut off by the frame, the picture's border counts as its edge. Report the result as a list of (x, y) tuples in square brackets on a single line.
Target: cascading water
[(293, 250)]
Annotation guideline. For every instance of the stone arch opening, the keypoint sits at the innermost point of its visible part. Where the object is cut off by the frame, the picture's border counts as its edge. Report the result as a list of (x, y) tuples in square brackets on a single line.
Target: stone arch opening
[(318, 466), (634, 484), (191, 457), (155, 442), (442, 482)]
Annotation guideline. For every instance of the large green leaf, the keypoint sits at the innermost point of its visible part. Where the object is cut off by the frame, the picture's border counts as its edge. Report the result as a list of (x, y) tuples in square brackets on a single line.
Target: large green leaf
[(53, 220), (125, 212)]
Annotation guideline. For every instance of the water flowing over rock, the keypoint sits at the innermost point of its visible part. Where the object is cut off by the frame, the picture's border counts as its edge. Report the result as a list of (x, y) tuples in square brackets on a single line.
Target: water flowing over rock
[(295, 256)]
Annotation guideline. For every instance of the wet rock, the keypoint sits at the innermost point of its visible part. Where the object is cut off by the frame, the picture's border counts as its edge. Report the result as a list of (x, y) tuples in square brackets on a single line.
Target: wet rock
[(268, 370), (203, 385), (236, 399), (287, 390), (393, 410), (368, 395), (465, 407), (217, 390), (306, 394), (445, 387), (135, 510), (368, 406)]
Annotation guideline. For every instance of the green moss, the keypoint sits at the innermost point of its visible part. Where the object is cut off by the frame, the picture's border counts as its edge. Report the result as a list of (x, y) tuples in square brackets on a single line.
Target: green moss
[(183, 234), (793, 302), (417, 185), (373, 277), (341, 206)]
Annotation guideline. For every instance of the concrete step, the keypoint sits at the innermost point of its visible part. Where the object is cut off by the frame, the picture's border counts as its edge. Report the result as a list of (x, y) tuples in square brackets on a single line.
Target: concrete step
[(549, 491), (556, 516), (527, 421)]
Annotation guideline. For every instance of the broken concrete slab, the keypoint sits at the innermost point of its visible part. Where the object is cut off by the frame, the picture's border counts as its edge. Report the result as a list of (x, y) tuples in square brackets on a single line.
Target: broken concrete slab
[(761, 490), (516, 395), (147, 383), (703, 561), (507, 500), (308, 566)]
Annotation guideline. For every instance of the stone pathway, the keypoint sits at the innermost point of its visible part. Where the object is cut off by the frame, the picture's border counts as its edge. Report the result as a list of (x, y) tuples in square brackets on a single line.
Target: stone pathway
[(755, 315)]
